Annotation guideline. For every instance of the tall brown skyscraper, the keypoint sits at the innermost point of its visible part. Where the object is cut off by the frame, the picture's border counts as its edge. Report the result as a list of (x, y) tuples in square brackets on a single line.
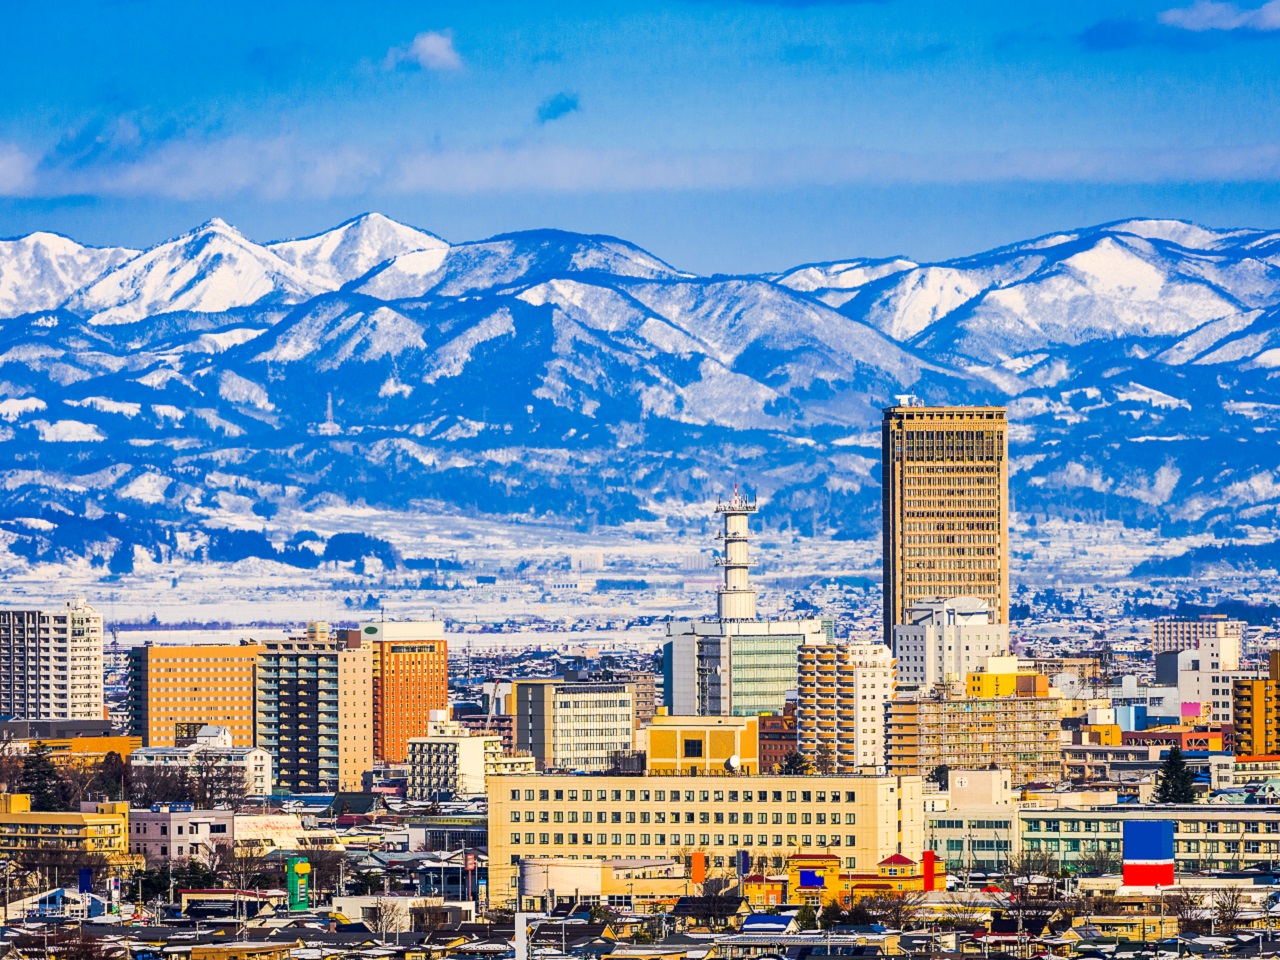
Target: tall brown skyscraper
[(946, 506)]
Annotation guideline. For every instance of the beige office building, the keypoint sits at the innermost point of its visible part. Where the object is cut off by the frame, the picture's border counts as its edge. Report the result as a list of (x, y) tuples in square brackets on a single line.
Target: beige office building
[(945, 507), (843, 690), (574, 726), (861, 820), (1173, 634)]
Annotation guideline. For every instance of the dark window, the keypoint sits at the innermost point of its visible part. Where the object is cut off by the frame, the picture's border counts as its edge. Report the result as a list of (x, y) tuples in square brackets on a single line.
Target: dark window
[(693, 748)]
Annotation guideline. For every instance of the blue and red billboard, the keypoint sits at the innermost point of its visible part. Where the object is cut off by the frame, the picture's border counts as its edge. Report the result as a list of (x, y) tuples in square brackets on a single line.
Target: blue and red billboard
[(1148, 853)]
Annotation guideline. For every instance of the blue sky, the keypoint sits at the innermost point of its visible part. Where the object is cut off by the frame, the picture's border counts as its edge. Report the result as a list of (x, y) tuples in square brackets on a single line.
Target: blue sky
[(723, 135)]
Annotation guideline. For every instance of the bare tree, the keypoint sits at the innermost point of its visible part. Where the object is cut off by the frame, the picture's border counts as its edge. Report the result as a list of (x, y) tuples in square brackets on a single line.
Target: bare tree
[(80, 777), (1098, 863), (824, 759), (901, 911), (1228, 905), (158, 784), (213, 782), (238, 864), (10, 767), (385, 916), (1188, 906), (964, 910), (326, 865)]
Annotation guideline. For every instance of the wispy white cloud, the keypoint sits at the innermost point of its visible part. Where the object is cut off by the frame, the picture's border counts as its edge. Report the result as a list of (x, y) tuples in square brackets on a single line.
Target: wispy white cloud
[(432, 50), (17, 168), (207, 167), (1206, 15)]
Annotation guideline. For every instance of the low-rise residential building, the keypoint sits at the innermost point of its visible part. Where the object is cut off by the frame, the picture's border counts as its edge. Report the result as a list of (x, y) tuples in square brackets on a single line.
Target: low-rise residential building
[(99, 828), (1175, 634), (861, 820), (231, 771), (178, 832), (710, 746), (452, 762)]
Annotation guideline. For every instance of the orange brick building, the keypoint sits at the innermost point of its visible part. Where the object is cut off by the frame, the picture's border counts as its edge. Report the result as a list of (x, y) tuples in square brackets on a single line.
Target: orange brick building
[(410, 679)]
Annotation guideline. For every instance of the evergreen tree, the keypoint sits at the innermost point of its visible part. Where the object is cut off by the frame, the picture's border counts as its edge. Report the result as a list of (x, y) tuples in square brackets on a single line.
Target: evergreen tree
[(41, 781), (806, 918), (1177, 782)]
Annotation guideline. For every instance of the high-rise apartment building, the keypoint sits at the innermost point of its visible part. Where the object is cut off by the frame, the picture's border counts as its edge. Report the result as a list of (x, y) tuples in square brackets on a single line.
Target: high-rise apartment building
[(1256, 712), (1174, 634), (410, 680), (942, 639), (860, 820), (840, 714), (51, 663), (175, 690), (573, 726), (734, 664), (945, 506), (1018, 731), (314, 711)]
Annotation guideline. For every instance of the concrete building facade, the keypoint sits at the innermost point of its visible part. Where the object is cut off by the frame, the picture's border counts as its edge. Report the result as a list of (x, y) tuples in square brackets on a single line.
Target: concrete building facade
[(840, 715), (573, 726), (701, 746), (1019, 733), (945, 506), (1174, 634), (452, 762), (944, 638), (862, 820), (410, 680), (51, 663), (175, 690)]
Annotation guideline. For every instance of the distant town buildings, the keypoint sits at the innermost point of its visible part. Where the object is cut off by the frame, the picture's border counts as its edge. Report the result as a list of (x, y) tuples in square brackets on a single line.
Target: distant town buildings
[(945, 507), (51, 663)]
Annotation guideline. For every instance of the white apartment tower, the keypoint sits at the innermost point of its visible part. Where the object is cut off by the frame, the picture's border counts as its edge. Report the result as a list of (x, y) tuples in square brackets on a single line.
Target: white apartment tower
[(51, 663), (840, 716), (946, 638)]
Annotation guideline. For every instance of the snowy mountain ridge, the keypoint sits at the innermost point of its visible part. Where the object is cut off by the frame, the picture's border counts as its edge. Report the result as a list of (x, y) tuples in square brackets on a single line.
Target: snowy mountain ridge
[(234, 386)]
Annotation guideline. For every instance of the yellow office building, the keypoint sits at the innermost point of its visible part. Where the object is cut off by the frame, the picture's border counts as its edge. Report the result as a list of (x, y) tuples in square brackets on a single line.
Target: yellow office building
[(709, 746), (861, 820)]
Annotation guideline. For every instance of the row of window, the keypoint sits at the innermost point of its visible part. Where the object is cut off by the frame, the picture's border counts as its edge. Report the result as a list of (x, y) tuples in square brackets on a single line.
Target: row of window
[(703, 796), (686, 839), (660, 816)]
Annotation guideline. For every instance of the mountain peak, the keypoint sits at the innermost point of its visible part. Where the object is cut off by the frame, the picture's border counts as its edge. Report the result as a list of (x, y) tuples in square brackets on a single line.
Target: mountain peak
[(354, 247)]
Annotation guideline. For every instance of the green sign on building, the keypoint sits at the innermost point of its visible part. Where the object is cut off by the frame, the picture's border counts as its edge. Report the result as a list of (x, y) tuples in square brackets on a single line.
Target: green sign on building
[(298, 874)]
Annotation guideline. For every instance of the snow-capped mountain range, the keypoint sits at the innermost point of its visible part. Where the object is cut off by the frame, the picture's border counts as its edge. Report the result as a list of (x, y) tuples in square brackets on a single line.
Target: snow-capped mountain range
[(158, 399)]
